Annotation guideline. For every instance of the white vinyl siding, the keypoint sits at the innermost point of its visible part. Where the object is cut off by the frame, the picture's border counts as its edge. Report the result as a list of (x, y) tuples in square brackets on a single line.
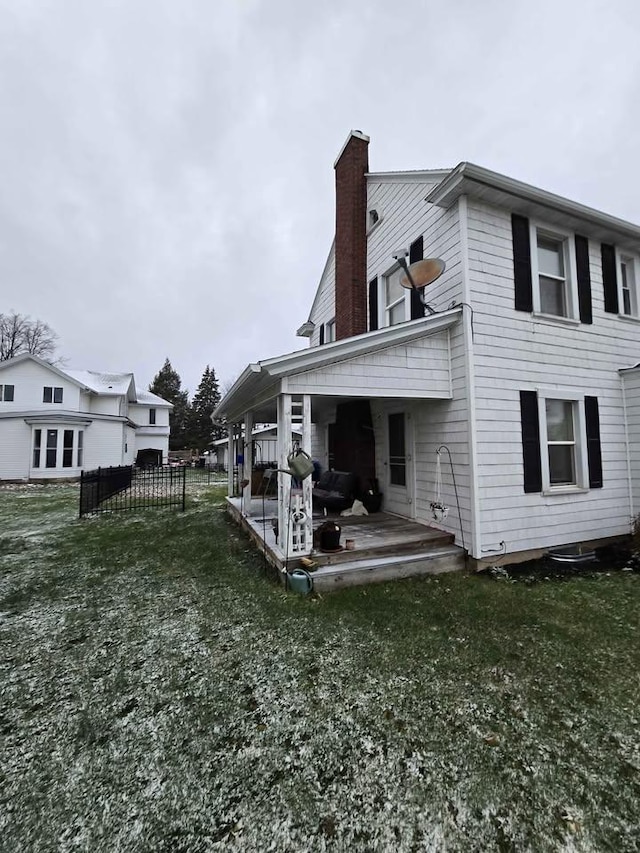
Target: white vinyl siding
[(324, 305), (514, 351), (418, 369), (406, 217)]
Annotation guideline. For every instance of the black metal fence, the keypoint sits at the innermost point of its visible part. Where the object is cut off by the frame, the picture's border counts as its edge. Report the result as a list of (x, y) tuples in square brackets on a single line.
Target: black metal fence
[(126, 488)]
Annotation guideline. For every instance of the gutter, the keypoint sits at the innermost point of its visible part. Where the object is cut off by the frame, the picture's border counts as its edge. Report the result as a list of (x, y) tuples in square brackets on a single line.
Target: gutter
[(448, 190)]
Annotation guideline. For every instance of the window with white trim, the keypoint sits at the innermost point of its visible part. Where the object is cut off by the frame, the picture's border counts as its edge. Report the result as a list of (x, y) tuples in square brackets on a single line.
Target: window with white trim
[(37, 446), (628, 277), (394, 297), (52, 448), (152, 416), (6, 393), (330, 331), (553, 268), (51, 394), (80, 447), (563, 441), (67, 448)]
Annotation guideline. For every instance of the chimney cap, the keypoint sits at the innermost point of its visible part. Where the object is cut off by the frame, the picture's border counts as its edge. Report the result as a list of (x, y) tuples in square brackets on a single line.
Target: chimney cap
[(358, 134)]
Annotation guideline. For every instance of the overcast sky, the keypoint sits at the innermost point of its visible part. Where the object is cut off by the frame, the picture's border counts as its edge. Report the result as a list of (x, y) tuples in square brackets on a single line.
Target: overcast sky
[(166, 166)]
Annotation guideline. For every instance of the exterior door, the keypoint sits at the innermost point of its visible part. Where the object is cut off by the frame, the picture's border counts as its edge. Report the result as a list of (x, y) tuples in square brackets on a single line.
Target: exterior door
[(399, 464)]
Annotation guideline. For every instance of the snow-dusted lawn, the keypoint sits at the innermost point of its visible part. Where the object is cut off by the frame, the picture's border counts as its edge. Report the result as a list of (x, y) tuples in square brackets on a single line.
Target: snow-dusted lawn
[(158, 693)]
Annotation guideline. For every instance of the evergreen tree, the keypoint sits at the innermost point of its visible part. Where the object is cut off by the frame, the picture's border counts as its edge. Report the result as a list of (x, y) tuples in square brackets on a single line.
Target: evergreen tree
[(201, 431), (168, 385)]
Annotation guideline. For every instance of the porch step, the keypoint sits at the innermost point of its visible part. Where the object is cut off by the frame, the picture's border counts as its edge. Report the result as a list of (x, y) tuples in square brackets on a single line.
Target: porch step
[(386, 568), (368, 547)]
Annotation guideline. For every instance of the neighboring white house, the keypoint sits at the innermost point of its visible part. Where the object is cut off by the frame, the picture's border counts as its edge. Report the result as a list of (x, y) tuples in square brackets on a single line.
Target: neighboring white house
[(265, 446), (56, 422), (524, 374)]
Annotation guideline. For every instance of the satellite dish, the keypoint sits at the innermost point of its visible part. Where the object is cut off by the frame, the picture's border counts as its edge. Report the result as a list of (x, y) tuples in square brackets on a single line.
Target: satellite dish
[(422, 273)]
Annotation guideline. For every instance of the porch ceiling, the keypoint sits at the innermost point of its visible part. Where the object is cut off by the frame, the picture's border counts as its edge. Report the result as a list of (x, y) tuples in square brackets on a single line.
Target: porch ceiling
[(259, 385)]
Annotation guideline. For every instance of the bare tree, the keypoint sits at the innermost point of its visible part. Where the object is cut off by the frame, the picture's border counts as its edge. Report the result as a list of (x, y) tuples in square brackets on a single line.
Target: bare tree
[(20, 334)]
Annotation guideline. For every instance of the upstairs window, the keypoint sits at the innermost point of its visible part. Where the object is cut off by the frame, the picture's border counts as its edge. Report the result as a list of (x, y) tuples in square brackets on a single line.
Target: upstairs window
[(51, 394), (395, 303), (330, 332), (551, 271), (6, 393), (628, 283), (620, 280), (552, 276), (152, 416)]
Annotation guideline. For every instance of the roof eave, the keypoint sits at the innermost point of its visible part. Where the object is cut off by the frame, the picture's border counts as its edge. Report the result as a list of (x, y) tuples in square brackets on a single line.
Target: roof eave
[(467, 176), (257, 376)]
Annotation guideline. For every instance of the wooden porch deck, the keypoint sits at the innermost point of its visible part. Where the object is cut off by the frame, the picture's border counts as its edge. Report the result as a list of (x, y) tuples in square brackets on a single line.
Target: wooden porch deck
[(386, 547)]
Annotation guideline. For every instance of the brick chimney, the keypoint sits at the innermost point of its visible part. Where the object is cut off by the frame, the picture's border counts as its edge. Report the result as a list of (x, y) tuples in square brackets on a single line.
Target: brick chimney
[(351, 167)]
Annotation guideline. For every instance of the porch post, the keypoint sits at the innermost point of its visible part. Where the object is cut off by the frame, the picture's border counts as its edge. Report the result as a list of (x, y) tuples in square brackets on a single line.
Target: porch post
[(307, 483), (230, 458), (284, 480), (247, 469)]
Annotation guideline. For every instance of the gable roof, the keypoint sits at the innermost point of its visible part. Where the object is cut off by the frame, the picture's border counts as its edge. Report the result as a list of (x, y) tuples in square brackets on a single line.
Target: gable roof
[(109, 384), (63, 374), (148, 398), (500, 190), (95, 382), (262, 378)]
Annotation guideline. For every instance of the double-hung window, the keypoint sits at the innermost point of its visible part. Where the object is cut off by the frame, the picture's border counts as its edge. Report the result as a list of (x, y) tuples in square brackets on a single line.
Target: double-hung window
[(628, 283), (330, 331), (37, 447), (152, 416), (560, 441), (560, 421), (6, 393), (395, 301), (552, 271), (52, 448), (554, 274), (67, 449)]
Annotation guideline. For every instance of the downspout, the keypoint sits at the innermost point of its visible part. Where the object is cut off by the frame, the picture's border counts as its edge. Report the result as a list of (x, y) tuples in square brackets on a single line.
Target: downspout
[(627, 448), (470, 385)]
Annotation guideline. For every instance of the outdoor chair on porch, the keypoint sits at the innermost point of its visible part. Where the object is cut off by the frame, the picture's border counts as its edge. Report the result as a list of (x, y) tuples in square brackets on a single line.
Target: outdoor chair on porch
[(335, 491)]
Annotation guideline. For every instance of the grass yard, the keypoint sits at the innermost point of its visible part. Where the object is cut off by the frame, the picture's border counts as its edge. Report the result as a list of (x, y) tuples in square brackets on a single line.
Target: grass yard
[(157, 693)]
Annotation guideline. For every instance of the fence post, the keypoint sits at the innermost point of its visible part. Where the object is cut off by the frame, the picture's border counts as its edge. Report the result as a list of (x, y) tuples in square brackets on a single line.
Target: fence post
[(81, 493), (184, 487)]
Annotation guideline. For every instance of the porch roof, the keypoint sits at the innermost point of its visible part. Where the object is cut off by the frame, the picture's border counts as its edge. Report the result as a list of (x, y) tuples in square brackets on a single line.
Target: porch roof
[(262, 380)]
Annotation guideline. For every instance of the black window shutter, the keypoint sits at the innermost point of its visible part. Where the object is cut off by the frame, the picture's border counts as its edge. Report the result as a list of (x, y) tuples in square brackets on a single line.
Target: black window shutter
[(531, 441), (609, 278), (594, 454), (416, 253), (522, 262), (321, 334), (373, 304), (584, 279)]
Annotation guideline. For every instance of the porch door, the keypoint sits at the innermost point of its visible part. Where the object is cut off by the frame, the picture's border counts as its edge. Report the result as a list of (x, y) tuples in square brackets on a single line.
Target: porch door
[(399, 464)]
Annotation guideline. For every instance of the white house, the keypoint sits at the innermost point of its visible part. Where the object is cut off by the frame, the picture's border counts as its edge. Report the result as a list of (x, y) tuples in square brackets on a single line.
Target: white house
[(265, 445), (518, 388), (56, 422)]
